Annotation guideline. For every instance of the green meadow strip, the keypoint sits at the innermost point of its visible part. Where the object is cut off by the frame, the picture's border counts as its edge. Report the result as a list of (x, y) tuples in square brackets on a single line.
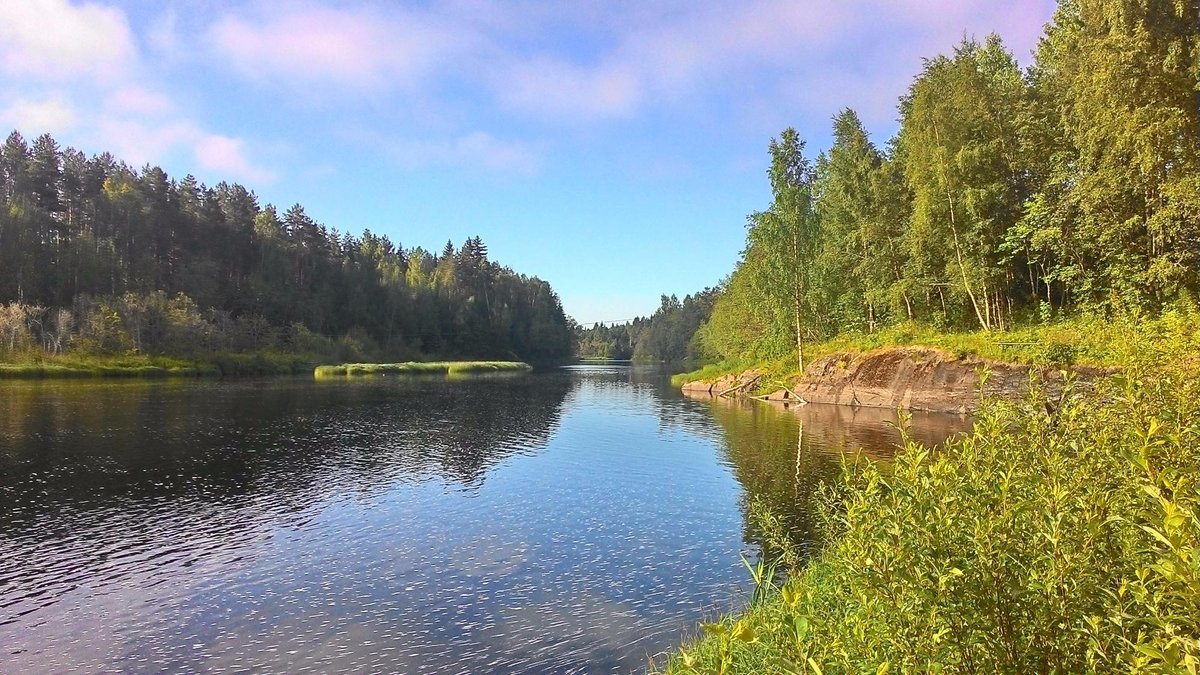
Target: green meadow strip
[(420, 368), (153, 367)]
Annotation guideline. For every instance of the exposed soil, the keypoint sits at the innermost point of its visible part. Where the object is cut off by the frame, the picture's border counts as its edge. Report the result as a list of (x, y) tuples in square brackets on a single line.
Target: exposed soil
[(913, 378)]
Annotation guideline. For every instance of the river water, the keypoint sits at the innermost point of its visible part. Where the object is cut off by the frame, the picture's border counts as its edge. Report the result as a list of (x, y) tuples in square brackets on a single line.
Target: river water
[(581, 520)]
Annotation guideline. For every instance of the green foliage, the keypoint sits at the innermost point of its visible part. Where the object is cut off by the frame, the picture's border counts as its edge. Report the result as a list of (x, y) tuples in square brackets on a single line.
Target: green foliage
[(135, 262), (1133, 340), (778, 546), (1005, 197), (1116, 144), (667, 335), (420, 368), (781, 244), (137, 366), (1062, 535)]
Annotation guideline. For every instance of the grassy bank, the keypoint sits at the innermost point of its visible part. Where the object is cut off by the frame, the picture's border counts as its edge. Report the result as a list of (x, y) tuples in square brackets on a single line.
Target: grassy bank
[(214, 365), (1061, 536), (421, 368), (1096, 341)]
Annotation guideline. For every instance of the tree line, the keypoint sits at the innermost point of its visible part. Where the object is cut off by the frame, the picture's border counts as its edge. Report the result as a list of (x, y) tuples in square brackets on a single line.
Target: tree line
[(100, 258), (667, 335), (1006, 195)]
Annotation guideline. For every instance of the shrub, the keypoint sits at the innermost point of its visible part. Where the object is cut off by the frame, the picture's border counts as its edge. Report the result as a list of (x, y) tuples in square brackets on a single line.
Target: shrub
[(1060, 536)]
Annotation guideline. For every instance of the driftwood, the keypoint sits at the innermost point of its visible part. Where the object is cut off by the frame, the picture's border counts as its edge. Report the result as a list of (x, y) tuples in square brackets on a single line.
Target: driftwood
[(744, 385), (798, 396)]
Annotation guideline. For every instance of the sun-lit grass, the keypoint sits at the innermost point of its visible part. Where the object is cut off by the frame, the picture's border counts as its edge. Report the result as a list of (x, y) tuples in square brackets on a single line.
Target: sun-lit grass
[(1092, 341), (420, 368), (116, 366), (1062, 535), (139, 366)]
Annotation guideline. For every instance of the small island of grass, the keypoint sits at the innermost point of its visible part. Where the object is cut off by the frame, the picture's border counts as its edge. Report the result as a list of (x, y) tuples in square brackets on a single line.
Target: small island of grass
[(420, 368)]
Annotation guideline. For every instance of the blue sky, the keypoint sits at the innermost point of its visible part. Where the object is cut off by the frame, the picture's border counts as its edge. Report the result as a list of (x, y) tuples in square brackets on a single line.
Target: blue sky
[(612, 148)]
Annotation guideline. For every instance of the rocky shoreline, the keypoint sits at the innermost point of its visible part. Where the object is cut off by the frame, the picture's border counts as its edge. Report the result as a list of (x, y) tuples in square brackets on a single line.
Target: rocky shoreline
[(912, 378)]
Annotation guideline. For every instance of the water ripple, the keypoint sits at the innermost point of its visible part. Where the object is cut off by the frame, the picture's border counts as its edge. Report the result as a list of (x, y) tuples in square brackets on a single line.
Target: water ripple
[(580, 521)]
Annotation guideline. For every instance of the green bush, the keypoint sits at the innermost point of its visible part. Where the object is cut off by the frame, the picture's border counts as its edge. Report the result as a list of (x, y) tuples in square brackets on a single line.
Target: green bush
[(419, 368), (1062, 535)]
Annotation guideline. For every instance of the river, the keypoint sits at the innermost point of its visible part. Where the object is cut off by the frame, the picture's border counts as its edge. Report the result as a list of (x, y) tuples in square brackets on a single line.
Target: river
[(580, 520)]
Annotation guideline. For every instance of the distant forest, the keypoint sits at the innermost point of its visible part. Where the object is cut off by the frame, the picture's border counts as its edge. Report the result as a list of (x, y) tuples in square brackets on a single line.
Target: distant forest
[(1007, 197), (99, 258), (666, 335)]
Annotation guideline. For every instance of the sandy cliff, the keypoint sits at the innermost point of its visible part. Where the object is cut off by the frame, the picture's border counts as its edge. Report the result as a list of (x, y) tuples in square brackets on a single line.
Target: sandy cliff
[(914, 378)]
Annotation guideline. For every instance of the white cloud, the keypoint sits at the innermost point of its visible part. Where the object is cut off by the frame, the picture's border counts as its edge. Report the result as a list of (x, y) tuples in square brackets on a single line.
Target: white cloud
[(54, 38), (473, 150), (551, 88), (138, 100), (87, 50), (827, 54), (227, 156), (163, 34), (663, 54), (32, 117), (349, 47), (139, 142)]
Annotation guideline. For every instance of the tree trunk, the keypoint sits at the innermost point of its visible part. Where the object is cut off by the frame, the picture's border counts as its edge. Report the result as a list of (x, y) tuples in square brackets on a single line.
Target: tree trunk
[(962, 268), (799, 335), (957, 246)]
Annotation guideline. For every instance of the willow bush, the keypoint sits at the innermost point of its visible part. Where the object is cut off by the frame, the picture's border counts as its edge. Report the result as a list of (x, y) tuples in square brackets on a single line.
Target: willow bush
[(1062, 535)]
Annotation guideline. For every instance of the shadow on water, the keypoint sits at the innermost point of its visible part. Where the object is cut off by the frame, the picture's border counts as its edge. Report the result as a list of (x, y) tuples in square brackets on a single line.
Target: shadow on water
[(136, 439), (110, 486), (781, 454)]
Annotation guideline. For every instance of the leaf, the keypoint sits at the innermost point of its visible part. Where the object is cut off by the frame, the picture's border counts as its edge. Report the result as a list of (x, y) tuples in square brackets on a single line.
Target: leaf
[(789, 596), (800, 626), (742, 632)]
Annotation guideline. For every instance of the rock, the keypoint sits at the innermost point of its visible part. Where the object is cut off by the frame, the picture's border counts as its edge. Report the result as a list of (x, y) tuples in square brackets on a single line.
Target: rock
[(699, 386), (913, 378)]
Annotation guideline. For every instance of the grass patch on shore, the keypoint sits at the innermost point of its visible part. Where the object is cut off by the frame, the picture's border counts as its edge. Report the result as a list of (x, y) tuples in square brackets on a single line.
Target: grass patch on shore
[(137, 366), (101, 367), (1085, 340), (420, 368), (1062, 535)]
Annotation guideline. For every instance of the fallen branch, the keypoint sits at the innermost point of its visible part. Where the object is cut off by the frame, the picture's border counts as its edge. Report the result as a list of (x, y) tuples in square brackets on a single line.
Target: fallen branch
[(793, 393), (741, 386)]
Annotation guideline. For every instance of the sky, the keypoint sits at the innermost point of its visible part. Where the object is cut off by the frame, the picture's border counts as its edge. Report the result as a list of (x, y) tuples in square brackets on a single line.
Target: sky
[(613, 148)]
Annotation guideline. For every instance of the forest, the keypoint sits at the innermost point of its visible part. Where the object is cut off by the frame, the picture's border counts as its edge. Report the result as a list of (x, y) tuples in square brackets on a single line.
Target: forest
[(1062, 534), (669, 334), (101, 259), (1007, 197)]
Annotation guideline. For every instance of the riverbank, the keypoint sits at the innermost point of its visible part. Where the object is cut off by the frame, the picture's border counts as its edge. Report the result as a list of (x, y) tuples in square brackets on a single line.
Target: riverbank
[(919, 368), (216, 365), (912, 378), (420, 368), (259, 364), (1062, 535)]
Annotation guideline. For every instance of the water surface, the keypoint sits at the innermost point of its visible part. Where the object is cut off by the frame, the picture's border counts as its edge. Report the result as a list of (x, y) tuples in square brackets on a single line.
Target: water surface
[(582, 520)]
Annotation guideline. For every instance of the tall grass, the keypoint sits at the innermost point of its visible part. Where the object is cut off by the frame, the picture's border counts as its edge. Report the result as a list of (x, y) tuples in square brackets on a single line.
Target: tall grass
[(1062, 535), (420, 367)]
